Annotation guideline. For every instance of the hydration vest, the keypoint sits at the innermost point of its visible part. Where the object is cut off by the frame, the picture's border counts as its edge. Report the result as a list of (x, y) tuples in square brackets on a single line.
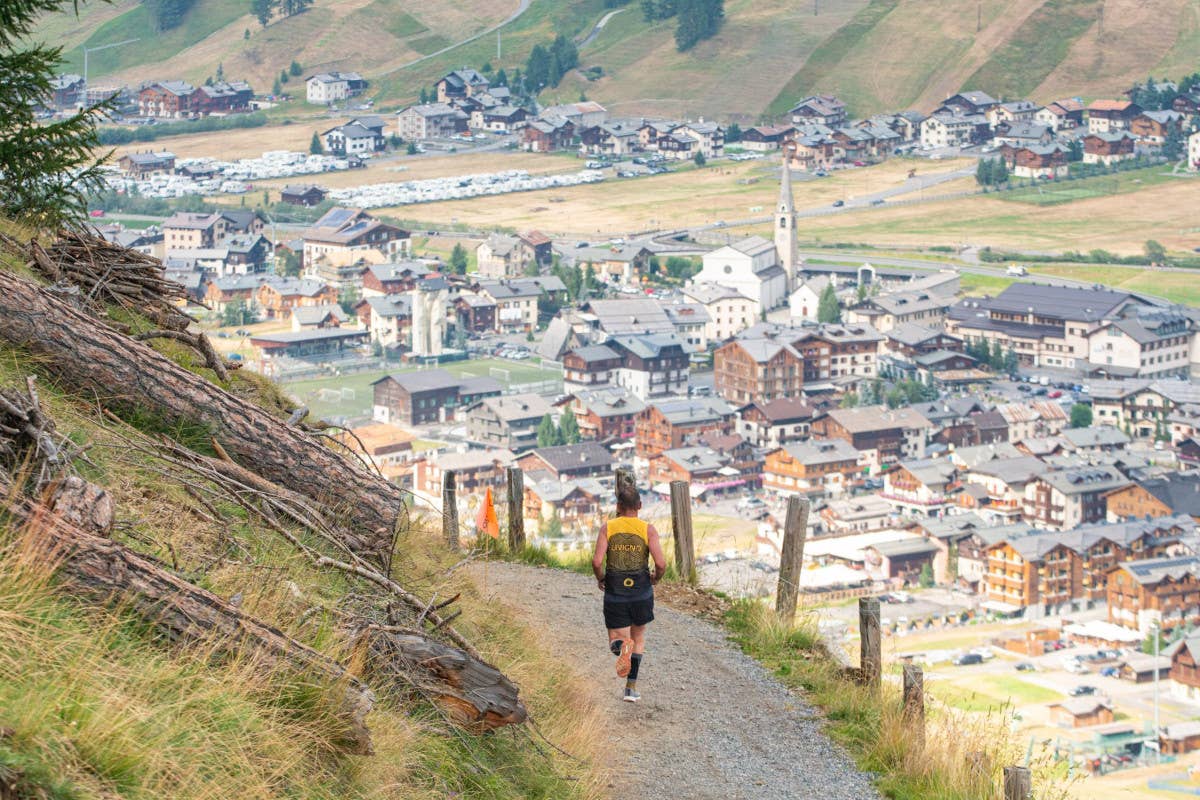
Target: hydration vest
[(626, 562)]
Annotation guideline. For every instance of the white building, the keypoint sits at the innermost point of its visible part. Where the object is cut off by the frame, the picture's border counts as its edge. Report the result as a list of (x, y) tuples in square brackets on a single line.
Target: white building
[(1193, 152), (729, 311), (751, 267), (948, 130), (330, 87), (803, 302)]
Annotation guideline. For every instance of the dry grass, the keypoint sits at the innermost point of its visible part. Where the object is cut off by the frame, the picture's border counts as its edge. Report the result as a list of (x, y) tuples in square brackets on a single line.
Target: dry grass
[(686, 197), (1138, 38), (963, 754), (1119, 223), (339, 34), (100, 708)]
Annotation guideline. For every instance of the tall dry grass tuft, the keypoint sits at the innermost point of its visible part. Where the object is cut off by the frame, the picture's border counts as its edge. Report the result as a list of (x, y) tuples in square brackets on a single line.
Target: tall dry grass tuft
[(963, 754)]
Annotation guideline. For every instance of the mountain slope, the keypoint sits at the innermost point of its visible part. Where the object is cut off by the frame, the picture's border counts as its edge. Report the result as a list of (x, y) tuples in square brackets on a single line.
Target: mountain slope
[(876, 54)]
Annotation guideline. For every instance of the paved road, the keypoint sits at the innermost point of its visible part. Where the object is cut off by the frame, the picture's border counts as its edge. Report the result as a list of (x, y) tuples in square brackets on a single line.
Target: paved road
[(521, 9), (712, 725), (599, 26)]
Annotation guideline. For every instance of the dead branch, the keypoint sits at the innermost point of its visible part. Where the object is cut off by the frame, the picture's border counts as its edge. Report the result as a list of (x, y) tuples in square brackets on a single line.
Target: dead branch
[(125, 374)]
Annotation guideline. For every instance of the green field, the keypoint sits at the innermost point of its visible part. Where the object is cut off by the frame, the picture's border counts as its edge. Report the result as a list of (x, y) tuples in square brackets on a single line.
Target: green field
[(356, 399), (990, 692), (973, 284), (1052, 193), (823, 62), (1029, 56), (152, 46), (1178, 287)]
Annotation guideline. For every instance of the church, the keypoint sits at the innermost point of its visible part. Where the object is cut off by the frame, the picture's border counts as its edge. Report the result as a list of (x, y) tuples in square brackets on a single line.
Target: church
[(761, 270)]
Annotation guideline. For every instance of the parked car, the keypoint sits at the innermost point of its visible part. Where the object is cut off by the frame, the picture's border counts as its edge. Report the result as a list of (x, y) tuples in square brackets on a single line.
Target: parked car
[(1076, 668), (1109, 672), (967, 659), (839, 203), (1081, 690), (902, 597), (1025, 666)]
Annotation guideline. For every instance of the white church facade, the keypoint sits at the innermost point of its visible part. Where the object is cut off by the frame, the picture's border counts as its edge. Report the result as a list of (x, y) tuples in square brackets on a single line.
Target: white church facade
[(762, 270)]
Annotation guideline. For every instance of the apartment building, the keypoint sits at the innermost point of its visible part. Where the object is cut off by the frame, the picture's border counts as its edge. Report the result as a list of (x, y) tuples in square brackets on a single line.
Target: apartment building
[(1047, 573), (670, 424), (1065, 499), (1157, 591), (881, 435), (1046, 326), (812, 466)]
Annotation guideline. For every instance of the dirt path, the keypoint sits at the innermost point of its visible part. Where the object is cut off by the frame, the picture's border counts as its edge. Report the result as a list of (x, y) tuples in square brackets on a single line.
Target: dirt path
[(712, 724)]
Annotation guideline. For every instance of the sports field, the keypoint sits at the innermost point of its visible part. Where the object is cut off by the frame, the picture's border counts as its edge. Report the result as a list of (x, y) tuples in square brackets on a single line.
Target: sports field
[(1051, 193), (350, 395)]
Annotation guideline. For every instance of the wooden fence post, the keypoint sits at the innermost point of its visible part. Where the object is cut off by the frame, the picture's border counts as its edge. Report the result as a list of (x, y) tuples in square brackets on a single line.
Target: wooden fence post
[(1018, 783), (624, 476), (791, 561), (870, 658), (681, 525), (516, 509), (914, 703), (449, 510)]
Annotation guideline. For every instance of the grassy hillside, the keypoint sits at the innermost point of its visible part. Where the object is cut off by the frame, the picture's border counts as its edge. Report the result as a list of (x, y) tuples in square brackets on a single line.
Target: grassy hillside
[(94, 704), (876, 54)]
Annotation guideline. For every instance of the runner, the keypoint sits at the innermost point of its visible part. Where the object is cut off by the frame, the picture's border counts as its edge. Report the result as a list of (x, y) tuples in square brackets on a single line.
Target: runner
[(624, 547)]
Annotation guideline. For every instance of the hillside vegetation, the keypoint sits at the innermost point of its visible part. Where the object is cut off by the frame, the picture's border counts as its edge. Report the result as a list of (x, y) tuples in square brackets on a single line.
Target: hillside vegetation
[(96, 703), (876, 54)]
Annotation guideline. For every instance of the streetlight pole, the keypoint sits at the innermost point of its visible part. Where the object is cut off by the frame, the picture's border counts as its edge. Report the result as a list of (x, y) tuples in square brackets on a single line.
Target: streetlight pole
[(1157, 739), (87, 50)]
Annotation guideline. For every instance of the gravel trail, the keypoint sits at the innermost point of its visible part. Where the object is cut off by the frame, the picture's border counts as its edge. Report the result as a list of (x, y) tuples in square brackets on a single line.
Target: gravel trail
[(712, 724)]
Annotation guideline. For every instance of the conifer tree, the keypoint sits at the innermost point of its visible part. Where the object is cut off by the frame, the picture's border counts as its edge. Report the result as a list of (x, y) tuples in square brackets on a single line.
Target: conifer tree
[(46, 170), (568, 428)]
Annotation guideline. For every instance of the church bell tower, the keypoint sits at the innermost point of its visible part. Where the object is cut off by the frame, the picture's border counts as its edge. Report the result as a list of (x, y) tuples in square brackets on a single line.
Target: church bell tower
[(785, 227)]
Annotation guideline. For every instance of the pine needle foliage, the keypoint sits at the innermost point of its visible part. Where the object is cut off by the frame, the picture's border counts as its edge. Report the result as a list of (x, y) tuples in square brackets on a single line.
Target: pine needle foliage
[(46, 169)]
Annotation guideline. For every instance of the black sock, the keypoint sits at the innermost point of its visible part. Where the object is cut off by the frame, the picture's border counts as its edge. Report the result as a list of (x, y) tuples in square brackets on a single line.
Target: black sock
[(615, 646), (635, 661)]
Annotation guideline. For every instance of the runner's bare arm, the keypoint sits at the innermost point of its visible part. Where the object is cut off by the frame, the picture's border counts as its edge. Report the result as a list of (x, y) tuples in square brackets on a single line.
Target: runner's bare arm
[(598, 555), (660, 562)]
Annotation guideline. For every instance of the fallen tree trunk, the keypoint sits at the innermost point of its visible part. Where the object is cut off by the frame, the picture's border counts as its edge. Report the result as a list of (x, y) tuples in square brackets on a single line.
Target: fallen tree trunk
[(128, 375), (104, 570), (471, 693)]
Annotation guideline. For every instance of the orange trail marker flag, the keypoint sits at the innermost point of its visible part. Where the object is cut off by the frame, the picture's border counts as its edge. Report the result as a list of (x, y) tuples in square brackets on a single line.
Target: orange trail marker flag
[(485, 519)]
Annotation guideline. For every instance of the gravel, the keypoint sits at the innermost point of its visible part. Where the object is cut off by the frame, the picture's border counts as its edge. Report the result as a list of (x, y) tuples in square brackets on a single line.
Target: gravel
[(712, 723)]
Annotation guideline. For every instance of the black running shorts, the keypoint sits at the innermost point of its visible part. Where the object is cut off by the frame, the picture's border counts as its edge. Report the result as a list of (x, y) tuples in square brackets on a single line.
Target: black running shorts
[(623, 613)]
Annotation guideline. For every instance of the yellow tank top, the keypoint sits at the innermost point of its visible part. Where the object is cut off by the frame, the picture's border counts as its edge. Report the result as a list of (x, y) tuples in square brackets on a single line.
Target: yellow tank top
[(627, 559)]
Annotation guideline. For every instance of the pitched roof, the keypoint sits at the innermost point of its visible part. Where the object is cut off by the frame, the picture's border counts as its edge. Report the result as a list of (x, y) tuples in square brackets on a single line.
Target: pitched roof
[(865, 419), (428, 380), (1180, 492), (1151, 571), (518, 407), (693, 410), (628, 316), (1015, 471), (610, 401), (784, 410), (1095, 436), (312, 315), (1082, 480), (1109, 105), (822, 451), (567, 457), (647, 345), (595, 352)]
